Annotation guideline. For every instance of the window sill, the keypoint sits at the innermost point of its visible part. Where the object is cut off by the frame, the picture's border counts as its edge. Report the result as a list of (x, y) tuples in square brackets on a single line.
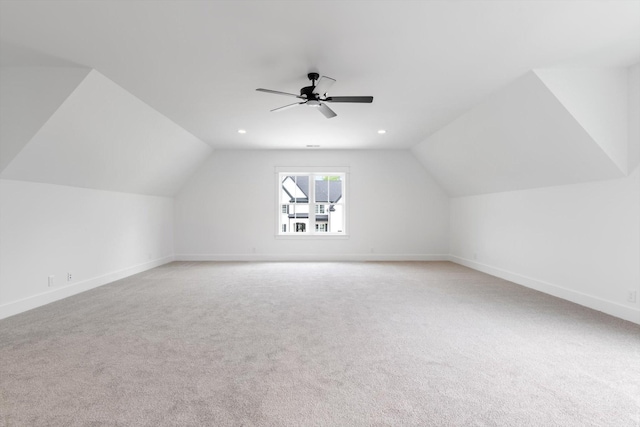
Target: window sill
[(312, 236)]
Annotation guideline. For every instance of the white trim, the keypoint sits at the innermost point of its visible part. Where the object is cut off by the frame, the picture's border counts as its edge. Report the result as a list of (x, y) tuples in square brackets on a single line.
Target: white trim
[(609, 307), (311, 257), (25, 304), (308, 236), (312, 169), (612, 308)]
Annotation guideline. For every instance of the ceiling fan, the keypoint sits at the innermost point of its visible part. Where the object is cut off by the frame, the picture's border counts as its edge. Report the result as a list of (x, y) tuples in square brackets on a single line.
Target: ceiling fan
[(316, 95)]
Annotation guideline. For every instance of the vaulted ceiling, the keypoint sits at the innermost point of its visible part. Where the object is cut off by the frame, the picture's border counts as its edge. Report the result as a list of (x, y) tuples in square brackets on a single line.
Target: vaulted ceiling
[(549, 127), (103, 137), (131, 96)]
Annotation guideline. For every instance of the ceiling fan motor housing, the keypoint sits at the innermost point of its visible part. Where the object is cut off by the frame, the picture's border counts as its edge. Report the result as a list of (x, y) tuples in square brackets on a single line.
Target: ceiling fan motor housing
[(307, 92)]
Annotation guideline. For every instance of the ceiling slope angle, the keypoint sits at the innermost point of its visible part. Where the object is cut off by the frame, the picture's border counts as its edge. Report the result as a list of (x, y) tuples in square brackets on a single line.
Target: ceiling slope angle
[(521, 137), (28, 98), (598, 100), (102, 137)]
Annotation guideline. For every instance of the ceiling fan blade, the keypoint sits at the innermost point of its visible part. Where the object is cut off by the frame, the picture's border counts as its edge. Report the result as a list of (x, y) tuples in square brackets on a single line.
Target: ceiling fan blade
[(328, 112), (323, 85), (286, 107), (361, 99), (277, 92)]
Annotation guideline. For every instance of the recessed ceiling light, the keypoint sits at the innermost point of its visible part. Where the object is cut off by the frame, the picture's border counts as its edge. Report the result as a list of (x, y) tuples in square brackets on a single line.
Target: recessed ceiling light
[(312, 146), (242, 131), (381, 131)]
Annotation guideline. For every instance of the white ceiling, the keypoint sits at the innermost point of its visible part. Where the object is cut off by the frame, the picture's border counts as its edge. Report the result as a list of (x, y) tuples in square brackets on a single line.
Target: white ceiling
[(426, 63)]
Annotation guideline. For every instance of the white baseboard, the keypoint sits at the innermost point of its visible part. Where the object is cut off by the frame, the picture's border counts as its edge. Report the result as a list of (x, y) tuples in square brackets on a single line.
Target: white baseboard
[(16, 307), (311, 257), (612, 308)]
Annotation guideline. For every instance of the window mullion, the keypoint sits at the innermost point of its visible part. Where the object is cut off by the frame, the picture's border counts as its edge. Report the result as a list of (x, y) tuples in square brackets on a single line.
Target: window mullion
[(312, 204)]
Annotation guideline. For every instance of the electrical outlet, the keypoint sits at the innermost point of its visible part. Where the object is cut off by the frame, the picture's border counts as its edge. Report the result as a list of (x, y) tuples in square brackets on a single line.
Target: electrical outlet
[(51, 280), (632, 296), (69, 277)]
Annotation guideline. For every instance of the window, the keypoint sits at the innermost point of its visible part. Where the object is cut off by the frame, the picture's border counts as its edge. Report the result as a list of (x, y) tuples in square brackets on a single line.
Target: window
[(311, 203)]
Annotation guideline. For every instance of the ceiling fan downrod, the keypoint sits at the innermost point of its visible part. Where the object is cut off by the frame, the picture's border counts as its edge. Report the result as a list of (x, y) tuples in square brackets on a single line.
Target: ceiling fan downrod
[(313, 77)]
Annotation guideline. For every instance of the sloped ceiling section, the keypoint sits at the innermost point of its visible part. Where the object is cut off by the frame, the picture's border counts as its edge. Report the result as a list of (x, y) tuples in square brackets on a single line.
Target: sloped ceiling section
[(28, 98), (597, 100), (103, 137), (519, 138)]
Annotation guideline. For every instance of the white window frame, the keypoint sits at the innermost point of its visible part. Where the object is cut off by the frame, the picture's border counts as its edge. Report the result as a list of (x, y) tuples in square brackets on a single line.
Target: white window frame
[(311, 232)]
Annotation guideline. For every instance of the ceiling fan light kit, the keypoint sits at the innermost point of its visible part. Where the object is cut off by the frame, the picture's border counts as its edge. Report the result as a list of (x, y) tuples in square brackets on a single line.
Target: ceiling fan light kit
[(315, 96)]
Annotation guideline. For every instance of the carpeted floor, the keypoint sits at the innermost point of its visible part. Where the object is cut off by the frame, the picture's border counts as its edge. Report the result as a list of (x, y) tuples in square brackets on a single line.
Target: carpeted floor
[(317, 344)]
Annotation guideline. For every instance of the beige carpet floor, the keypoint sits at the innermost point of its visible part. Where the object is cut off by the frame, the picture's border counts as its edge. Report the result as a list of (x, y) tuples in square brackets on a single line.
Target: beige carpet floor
[(317, 344)]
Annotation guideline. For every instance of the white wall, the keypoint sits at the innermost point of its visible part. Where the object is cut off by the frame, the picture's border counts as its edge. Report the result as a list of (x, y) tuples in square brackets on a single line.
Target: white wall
[(579, 242), (98, 236), (228, 208), (634, 116)]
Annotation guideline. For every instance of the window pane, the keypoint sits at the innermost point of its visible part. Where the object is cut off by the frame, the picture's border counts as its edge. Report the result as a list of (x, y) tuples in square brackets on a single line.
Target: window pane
[(335, 189), (320, 189), (335, 219), (295, 189), (297, 219)]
